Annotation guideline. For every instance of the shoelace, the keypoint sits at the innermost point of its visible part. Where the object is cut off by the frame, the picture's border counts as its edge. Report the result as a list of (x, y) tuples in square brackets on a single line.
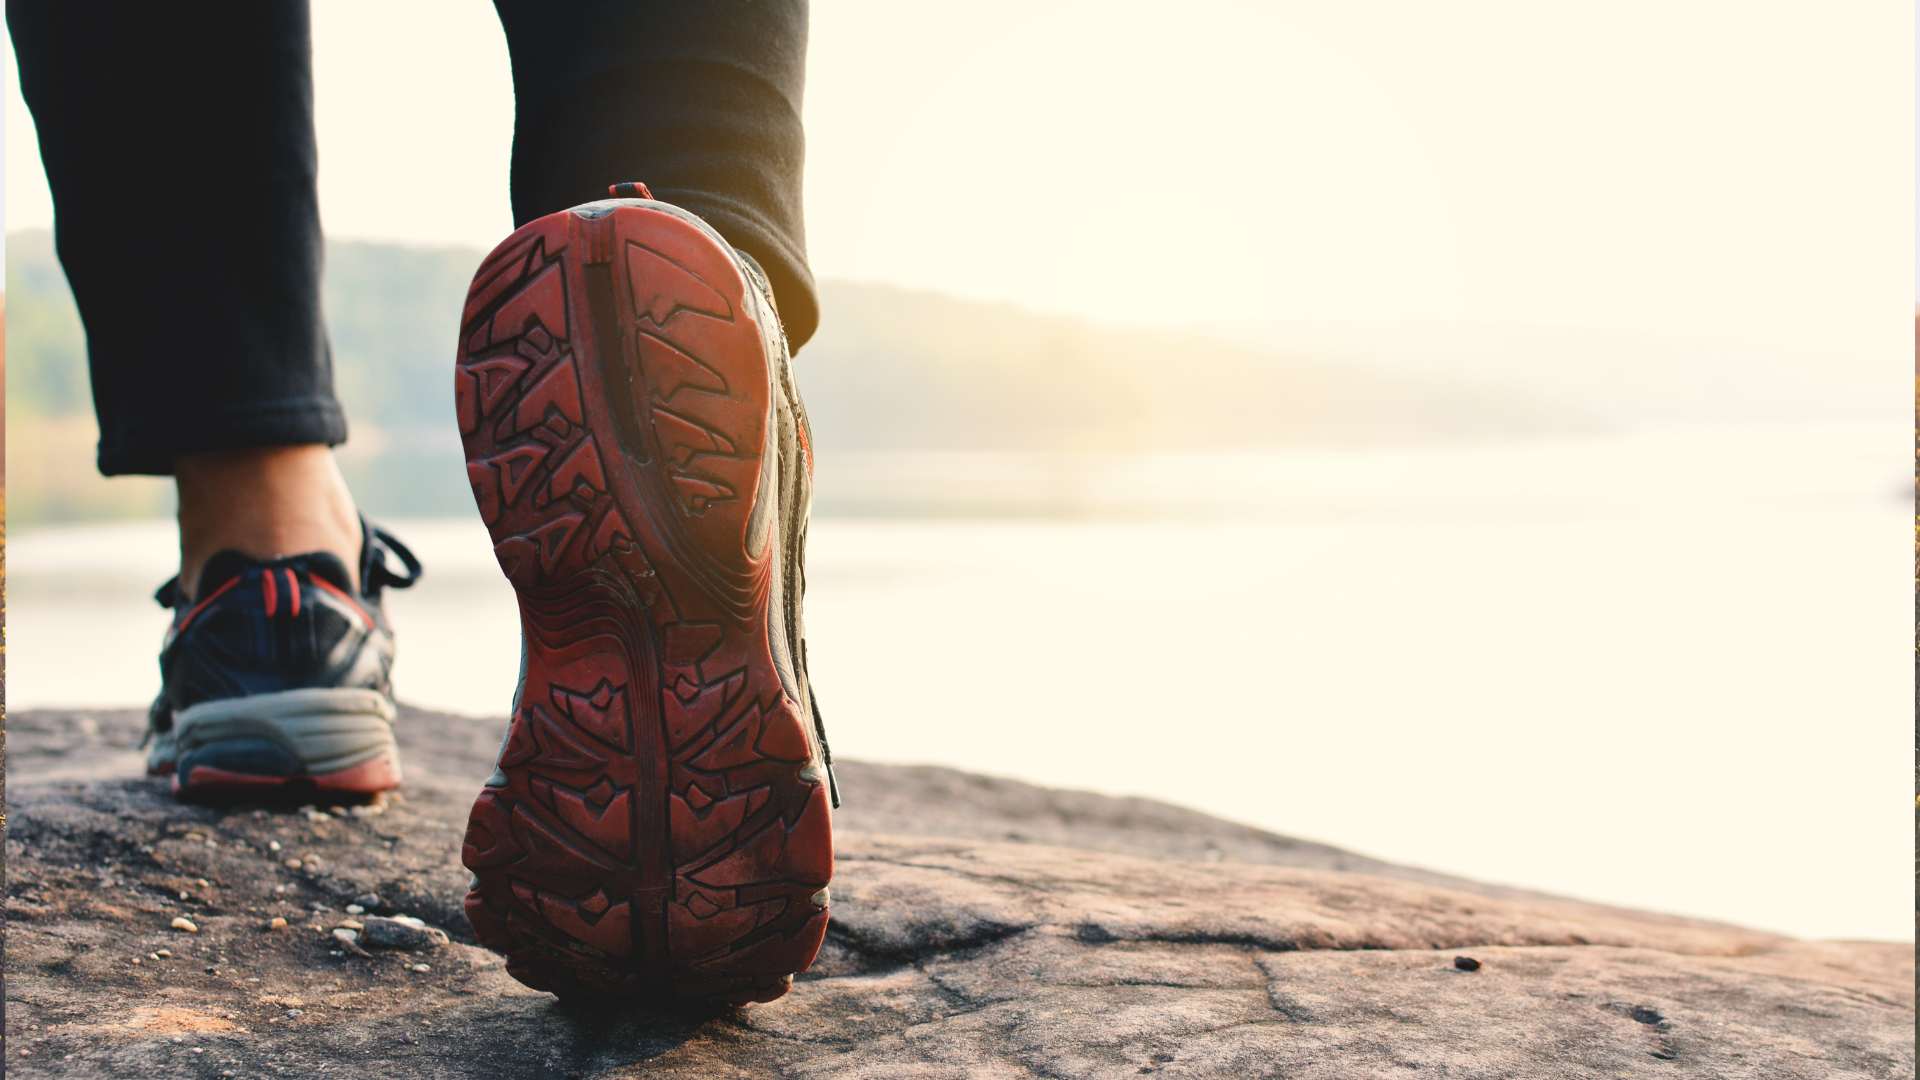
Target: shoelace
[(826, 752), (378, 574), (820, 731)]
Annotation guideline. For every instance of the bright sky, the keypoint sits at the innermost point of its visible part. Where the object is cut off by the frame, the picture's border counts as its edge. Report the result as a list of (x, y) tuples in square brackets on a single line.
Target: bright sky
[(1706, 169)]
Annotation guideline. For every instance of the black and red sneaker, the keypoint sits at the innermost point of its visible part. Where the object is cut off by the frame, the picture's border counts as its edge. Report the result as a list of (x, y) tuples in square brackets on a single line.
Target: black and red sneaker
[(659, 822), (276, 677)]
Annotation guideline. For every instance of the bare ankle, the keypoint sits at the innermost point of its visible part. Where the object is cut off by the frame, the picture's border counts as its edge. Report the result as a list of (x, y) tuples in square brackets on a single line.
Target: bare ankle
[(263, 502)]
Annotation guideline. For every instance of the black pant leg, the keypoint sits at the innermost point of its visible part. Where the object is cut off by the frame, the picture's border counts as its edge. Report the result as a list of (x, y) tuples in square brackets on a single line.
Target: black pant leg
[(178, 141), (699, 101)]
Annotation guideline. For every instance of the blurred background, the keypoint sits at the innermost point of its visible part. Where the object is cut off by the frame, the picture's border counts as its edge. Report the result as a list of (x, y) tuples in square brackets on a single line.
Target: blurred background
[(1470, 434)]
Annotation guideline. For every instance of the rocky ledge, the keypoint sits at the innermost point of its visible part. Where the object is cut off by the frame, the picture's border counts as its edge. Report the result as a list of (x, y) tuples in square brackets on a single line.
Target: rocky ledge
[(981, 928)]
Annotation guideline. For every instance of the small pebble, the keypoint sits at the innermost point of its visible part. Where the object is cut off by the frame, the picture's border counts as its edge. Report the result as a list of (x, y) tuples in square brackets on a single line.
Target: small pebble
[(1466, 963), (273, 845), (182, 923), (346, 935), (136, 961), (421, 968), (276, 923), (293, 1014), (293, 864), (402, 932), (369, 901), (151, 956), (353, 924), (356, 909)]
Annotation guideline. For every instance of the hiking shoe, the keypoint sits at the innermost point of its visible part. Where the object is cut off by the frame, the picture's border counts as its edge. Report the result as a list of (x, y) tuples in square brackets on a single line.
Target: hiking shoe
[(275, 677), (658, 825)]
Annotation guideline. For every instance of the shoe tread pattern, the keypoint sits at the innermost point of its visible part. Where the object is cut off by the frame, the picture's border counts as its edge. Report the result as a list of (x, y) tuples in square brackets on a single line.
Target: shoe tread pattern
[(661, 830)]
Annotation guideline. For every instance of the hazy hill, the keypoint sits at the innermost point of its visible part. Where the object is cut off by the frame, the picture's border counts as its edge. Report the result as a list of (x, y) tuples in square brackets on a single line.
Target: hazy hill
[(892, 371)]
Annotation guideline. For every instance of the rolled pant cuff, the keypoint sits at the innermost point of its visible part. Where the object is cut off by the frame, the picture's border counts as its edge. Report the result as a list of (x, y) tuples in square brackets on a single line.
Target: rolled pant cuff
[(150, 447)]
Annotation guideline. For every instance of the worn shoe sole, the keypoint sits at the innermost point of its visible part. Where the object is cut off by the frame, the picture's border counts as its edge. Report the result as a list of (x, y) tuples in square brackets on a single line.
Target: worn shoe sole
[(658, 825), (309, 743)]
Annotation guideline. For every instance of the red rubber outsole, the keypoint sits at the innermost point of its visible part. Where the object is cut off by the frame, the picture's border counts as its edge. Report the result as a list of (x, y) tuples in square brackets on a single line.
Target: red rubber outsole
[(656, 827), (364, 780)]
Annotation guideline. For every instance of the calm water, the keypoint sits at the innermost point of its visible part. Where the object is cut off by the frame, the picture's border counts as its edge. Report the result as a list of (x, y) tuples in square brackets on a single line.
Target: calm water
[(1665, 670)]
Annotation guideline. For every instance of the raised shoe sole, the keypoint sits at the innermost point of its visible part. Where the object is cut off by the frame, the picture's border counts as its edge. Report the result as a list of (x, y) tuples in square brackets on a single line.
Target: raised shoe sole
[(658, 825)]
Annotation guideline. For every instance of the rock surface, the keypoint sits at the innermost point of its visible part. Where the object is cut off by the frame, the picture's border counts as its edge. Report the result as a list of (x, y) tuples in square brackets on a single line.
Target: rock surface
[(981, 928)]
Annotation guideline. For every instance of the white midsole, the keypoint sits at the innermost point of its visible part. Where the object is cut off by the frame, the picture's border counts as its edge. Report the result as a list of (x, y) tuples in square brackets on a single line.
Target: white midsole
[(325, 728)]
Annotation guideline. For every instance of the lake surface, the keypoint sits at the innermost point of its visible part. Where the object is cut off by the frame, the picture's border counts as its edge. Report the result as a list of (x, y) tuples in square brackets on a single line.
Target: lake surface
[(1666, 670)]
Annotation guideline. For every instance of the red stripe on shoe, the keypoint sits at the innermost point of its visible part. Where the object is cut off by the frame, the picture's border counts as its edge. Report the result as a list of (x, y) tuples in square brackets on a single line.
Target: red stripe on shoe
[(204, 776), (272, 594), (202, 605), (367, 778), (293, 595)]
